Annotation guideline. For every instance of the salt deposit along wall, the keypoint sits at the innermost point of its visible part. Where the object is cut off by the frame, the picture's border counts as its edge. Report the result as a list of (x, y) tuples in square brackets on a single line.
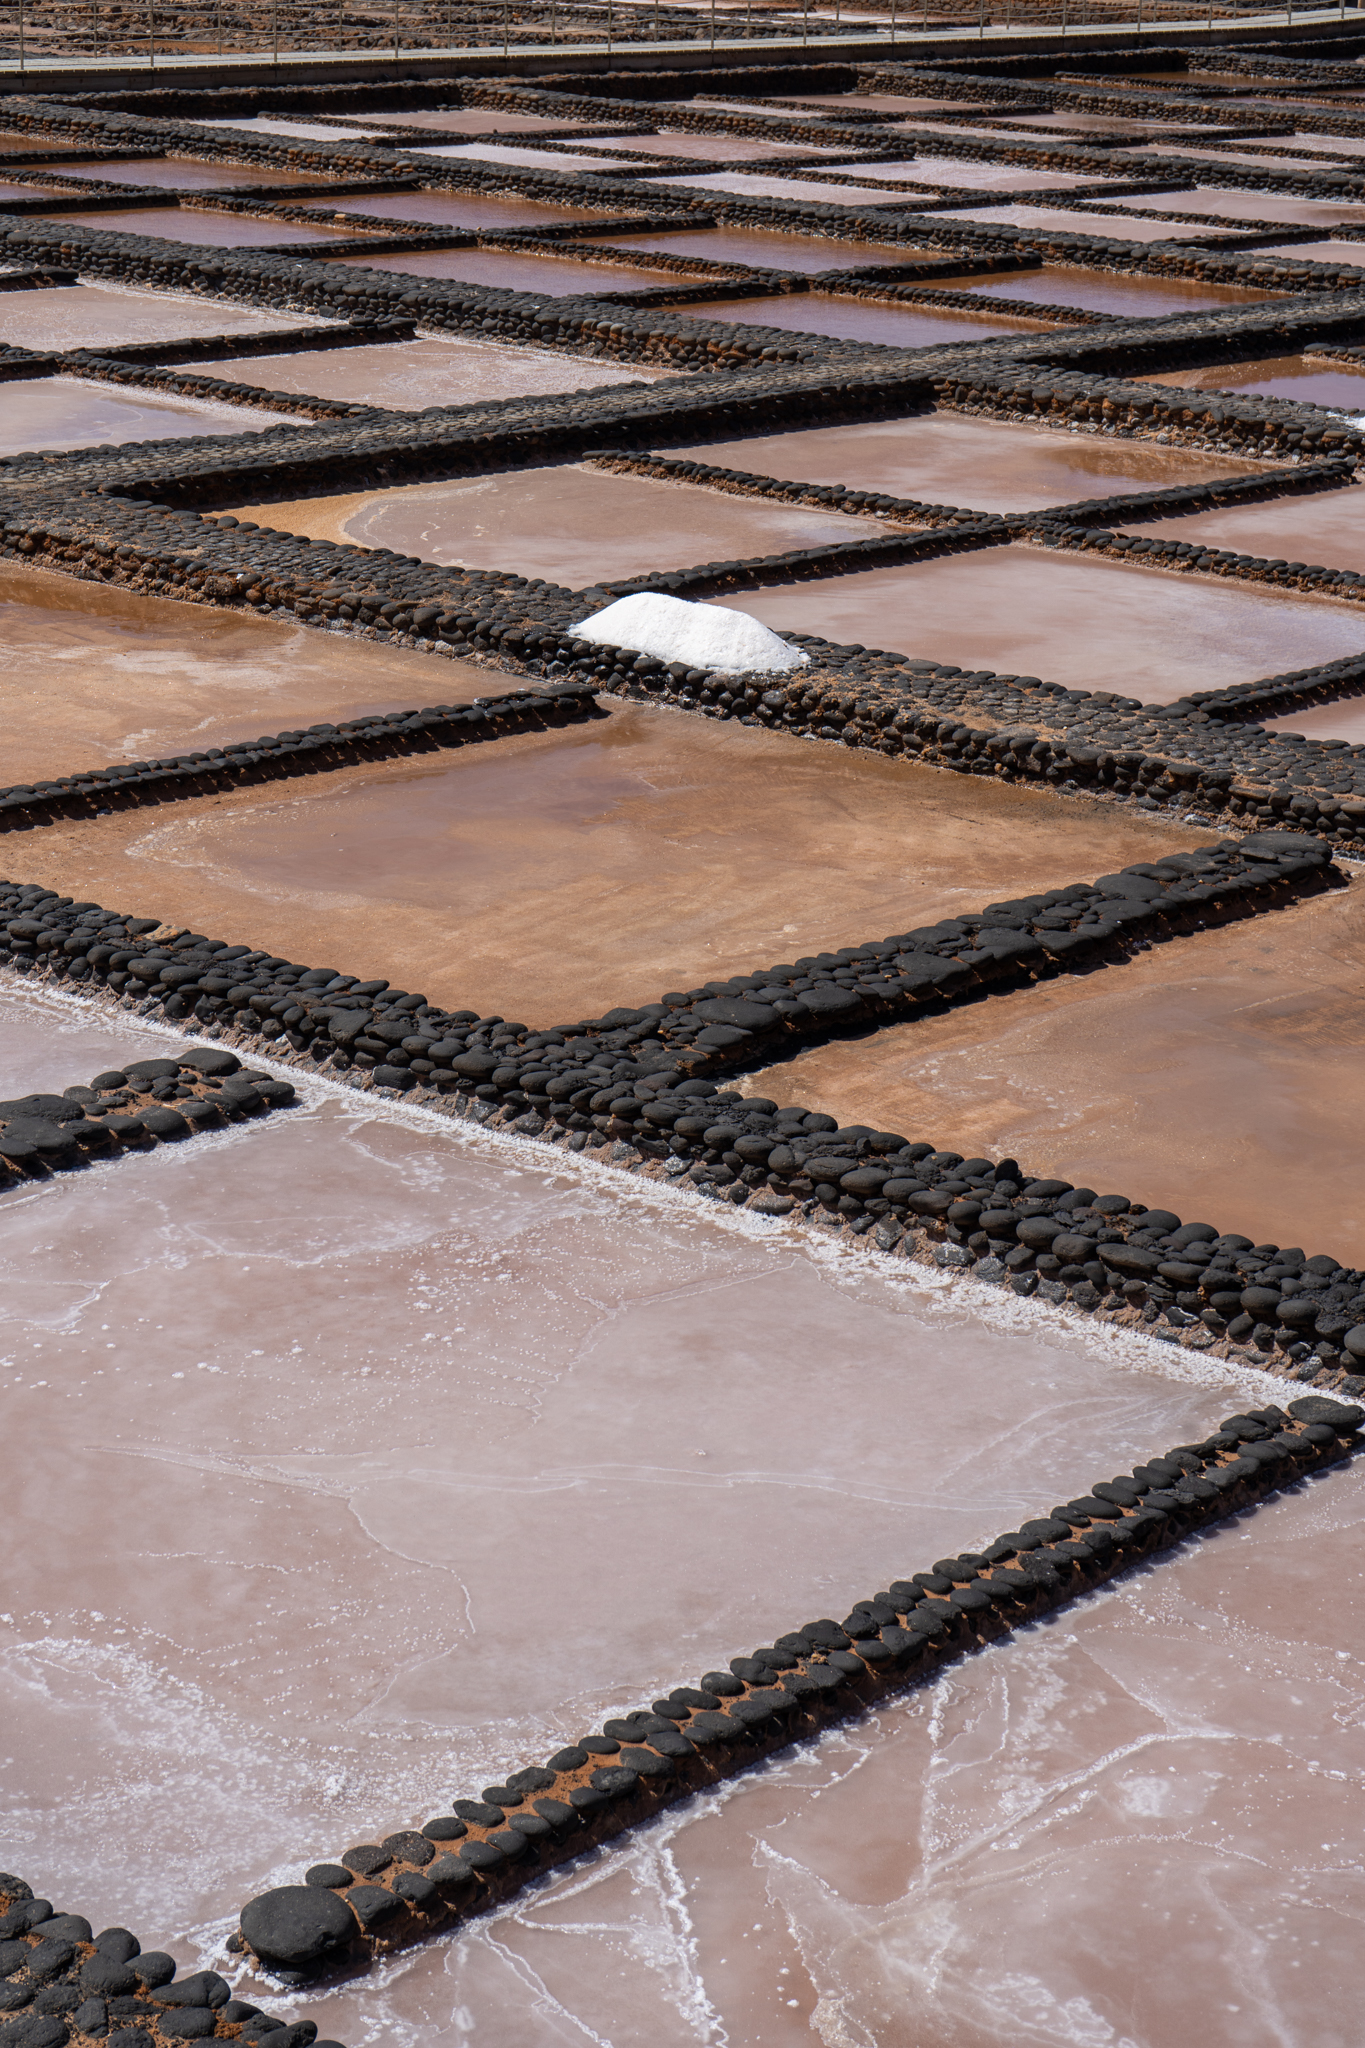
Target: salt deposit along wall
[(247, 1107)]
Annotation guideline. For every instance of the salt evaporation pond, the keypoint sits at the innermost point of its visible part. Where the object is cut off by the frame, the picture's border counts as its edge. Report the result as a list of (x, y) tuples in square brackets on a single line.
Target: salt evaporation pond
[(364, 1459), (74, 412), (1079, 620), (1133, 294)]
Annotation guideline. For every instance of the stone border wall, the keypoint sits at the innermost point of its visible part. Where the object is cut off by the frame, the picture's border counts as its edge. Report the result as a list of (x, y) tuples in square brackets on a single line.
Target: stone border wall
[(144, 1104), (64, 1984), (1181, 755), (328, 745), (384, 1896), (646, 1085)]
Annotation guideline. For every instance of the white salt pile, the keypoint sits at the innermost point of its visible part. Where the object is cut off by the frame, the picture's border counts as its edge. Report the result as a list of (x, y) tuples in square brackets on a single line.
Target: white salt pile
[(702, 635)]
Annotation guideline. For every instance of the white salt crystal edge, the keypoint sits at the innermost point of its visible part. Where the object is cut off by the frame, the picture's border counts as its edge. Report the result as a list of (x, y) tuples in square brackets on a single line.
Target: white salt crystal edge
[(702, 635)]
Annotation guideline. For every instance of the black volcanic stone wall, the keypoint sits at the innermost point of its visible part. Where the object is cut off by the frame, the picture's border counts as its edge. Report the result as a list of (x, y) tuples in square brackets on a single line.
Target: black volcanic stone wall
[(646, 1084), (62, 1985), (382, 1896)]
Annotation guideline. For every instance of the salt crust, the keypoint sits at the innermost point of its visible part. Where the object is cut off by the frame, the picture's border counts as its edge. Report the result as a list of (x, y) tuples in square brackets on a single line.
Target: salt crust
[(936, 1290), (702, 635)]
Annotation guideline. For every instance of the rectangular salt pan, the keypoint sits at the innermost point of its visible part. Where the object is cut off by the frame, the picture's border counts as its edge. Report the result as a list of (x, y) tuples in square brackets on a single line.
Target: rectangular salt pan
[(556, 875), (413, 375), (1319, 380), (187, 174), (86, 316), (1123, 227), (575, 524), (1131, 294), (1250, 206), (770, 250), (1071, 619), (1156, 1062), (186, 224), (946, 458), (906, 326), (394, 1443), (462, 209), (553, 276), (1049, 1831), (68, 412), (94, 675), (1327, 529)]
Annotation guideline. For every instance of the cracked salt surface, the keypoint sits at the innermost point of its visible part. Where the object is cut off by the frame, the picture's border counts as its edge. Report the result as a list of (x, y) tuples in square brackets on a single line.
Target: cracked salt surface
[(374, 1455)]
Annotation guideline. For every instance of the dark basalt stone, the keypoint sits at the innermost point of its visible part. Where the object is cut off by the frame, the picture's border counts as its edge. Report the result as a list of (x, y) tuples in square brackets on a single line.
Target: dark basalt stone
[(371, 1904), (42, 2030), (297, 1925), (1344, 1415), (409, 1847)]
